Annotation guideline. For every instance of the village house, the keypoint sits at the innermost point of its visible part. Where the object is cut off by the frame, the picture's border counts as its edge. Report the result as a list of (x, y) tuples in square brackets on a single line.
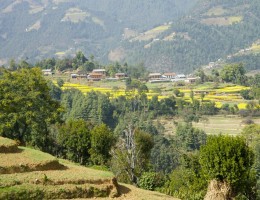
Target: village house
[(191, 80), (47, 72), (155, 76), (179, 77), (74, 75), (95, 76), (82, 74), (120, 75), (99, 71), (169, 75)]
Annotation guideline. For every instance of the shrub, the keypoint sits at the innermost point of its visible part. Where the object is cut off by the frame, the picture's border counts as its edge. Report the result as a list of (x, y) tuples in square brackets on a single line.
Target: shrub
[(150, 180)]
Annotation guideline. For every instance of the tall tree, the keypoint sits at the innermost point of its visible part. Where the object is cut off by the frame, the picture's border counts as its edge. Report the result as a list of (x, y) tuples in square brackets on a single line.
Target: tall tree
[(131, 156), (26, 107), (102, 140), (74, 138)]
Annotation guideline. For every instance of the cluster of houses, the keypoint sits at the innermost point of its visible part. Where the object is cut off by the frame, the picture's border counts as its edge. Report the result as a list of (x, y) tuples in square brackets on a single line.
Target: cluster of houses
[(171, 77), (100, 74)]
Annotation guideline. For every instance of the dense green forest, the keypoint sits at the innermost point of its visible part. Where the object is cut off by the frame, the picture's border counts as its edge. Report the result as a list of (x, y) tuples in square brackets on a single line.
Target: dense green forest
[(124, 135), (197, 43)]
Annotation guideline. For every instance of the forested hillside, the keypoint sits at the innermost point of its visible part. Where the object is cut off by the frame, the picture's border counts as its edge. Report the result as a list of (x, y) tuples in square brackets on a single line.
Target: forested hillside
[(167, 35), (36, 28), (214, 30)]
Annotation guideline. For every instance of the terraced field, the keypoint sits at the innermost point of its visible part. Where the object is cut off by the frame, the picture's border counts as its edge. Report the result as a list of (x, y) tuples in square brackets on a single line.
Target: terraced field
[(225, 93), (30, 174)]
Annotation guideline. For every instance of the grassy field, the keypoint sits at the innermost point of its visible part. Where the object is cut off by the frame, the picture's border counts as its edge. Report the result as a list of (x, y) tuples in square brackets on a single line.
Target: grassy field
[(75, 15), (216, 11), (222, 21), (7, 146), (230, 124), (151, 34), (220, 124), (71, 181)]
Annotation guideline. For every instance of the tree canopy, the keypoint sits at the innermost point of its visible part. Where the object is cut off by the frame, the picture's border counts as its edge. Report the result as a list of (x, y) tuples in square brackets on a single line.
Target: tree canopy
[(228, 160), (26, 106)]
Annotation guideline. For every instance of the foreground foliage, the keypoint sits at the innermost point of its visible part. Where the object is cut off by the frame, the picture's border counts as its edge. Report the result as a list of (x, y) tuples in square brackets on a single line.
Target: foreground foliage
[(228, 159), (26, 107)]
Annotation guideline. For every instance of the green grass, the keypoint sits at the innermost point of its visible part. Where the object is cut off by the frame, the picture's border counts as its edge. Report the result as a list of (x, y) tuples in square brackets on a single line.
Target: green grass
[(217, 11), (222, 21), (75, 15), (25, 156), (220, 124), (7, 146), (152, 34), (6, 142), (231, 125), (32, 174)]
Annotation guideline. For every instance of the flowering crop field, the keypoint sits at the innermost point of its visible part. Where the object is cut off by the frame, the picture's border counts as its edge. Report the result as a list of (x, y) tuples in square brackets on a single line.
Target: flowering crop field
[(221, 95)]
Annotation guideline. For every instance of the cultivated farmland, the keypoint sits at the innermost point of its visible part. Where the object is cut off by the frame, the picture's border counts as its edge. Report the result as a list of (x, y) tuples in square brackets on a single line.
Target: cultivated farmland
[(30, 174)]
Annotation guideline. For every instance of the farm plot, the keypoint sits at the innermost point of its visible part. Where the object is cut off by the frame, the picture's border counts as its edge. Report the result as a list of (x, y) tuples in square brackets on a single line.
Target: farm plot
[(220, 124)]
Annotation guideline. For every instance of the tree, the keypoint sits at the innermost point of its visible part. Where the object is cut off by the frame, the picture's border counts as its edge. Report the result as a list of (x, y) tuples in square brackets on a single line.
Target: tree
[(227, 161), (130, 157), (60, 82), (187, 181), (234, 73), (252, 135), (102, 140), (55, 91), (74, 138), (200, 73), (12, 65), (190, 138), (79, 60), (26, 107)]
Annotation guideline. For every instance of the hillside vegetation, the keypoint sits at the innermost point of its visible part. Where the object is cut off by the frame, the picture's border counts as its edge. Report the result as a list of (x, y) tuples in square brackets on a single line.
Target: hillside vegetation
[(36, 29), (30, 174), (212, 31), (167, 35)]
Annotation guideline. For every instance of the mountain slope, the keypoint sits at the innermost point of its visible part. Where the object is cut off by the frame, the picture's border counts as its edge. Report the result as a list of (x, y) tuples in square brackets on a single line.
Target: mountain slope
[(212, 31), (39, 28), (165, 35)]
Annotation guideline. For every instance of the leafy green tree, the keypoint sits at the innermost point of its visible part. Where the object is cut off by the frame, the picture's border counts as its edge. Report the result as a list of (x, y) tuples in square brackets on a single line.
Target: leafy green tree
[(150, 180), (252, 135), (176, 92), (200, 73), (187, 181), (234, 73), (55, 91), (79, 60), (228, 160), (165, 156), (24, 64), (246, 94), (74, 138), (12, 65), (102, 140), (60, 82), (26, 107), (190, 138)]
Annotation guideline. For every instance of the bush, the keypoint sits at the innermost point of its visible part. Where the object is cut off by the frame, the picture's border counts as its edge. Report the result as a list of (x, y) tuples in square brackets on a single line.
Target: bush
[(228, 160), (150, 180)]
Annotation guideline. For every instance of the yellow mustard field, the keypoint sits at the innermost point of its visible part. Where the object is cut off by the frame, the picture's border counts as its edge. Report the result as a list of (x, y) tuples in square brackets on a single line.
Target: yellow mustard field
[(228, 94)]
